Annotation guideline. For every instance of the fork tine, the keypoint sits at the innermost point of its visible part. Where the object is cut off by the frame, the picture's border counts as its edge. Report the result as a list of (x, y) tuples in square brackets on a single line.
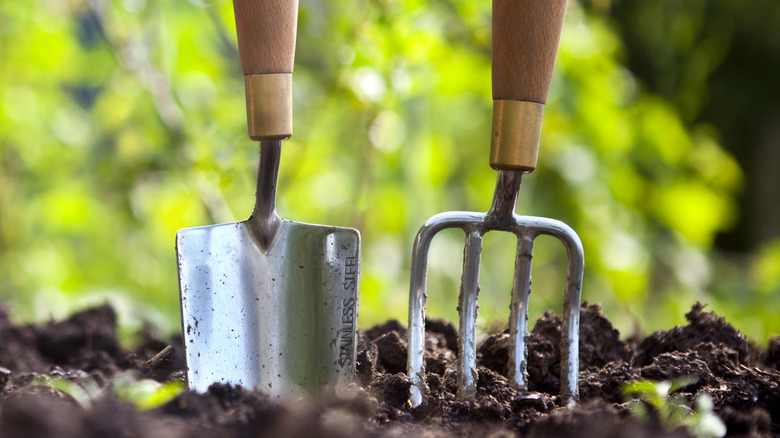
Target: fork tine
[(467, 309), (572, 294), (415, 363), (518, 316), (417, 297), (570, 324)]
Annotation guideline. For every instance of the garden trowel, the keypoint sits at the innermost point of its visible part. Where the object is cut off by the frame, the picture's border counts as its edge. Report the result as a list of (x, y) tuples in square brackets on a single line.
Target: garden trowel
[(268, 303)]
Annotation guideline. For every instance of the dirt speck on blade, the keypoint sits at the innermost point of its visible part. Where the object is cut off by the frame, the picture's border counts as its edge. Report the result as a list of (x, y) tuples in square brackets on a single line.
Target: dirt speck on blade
[(743, 381)]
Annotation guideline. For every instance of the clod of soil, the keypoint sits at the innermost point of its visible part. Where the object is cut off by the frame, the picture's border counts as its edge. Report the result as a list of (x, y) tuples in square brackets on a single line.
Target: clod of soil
[(743, 381)]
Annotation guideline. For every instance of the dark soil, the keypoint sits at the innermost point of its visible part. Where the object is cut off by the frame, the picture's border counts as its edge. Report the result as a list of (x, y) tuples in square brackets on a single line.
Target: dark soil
[(742, 379)]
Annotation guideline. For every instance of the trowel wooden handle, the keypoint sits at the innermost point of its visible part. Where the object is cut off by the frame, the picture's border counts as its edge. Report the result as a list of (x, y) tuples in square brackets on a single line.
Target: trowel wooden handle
[(525, 41), (266, 43), (266, 35)]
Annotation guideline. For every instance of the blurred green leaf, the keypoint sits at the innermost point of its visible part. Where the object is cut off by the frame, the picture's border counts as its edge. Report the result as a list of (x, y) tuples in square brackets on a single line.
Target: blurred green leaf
[(145, 394)]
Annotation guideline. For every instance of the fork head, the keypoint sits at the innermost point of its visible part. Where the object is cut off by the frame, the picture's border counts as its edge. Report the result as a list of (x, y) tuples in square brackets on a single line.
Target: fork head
[(501, 217)]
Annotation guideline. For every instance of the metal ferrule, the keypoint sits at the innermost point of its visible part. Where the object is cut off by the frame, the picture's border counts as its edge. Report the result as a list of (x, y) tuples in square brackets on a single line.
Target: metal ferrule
[(269, 106), (517, 127)]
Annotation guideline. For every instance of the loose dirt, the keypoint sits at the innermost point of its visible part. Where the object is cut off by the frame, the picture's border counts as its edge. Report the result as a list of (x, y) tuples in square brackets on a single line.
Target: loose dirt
[(742, 380)]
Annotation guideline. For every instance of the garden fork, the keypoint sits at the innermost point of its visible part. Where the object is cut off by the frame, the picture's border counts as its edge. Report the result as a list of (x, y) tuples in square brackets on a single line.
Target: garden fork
[(525, 41)]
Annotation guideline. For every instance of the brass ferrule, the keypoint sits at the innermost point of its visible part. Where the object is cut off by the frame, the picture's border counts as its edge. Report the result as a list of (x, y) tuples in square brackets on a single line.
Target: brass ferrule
[(514, 143), (269, 106)]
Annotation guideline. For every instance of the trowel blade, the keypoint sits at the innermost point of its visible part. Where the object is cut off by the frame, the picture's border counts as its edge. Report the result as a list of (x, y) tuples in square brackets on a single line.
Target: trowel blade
[(283, 321)]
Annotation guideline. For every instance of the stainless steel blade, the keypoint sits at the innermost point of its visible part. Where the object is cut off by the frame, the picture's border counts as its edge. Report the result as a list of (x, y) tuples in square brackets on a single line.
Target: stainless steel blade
[(281, 319)]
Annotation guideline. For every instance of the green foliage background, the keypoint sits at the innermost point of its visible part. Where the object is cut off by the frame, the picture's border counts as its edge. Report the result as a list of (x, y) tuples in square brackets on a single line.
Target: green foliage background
[(122, 121)]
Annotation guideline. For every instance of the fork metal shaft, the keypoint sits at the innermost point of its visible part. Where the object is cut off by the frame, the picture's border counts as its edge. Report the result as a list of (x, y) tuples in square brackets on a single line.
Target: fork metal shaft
[(502, 210)]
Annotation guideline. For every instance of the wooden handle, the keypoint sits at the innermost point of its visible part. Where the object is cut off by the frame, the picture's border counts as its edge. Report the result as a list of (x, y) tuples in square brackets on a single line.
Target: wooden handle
[(266, 43), (525, 41), (266, 35)]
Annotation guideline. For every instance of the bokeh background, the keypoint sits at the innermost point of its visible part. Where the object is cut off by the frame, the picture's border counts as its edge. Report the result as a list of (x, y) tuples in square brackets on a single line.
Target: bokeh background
[(122, 121)]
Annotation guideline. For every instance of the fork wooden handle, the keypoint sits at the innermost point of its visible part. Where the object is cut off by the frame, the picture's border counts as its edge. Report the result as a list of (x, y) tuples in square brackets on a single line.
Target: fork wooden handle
[(266, 44), (525, 42)]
